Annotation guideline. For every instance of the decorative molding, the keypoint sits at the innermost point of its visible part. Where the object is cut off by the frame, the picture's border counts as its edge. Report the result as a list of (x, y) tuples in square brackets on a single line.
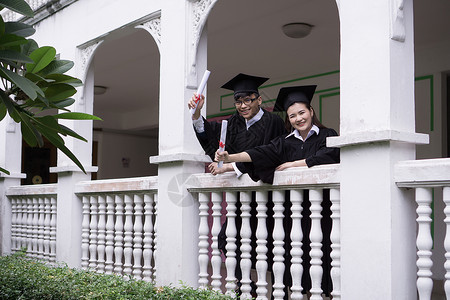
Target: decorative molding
[(198, 15), (86, 52), (397, 25), (153, 27)]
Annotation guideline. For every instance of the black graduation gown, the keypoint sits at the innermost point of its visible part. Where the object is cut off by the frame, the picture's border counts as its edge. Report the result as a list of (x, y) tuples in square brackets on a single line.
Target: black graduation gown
[(238, 137), (283, 149)]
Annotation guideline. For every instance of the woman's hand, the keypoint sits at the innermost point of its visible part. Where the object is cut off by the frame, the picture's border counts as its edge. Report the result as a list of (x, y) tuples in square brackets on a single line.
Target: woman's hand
[(222, 156), (214, 169), (191, 104), (291, 164)]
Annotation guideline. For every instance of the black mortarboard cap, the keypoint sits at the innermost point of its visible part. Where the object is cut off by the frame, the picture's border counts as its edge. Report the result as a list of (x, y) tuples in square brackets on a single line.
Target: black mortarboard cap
[(243, 83), (293, 94)]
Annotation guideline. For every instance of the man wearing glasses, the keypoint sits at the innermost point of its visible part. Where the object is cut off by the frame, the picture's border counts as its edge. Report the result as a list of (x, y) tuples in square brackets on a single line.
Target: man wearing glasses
[(249, 127)]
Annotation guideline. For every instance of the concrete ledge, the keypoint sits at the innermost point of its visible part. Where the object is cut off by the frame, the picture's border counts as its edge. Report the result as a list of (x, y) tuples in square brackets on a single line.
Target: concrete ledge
[(357, 138), (13, 175), (169, 158), (72, 168), (422, 173)]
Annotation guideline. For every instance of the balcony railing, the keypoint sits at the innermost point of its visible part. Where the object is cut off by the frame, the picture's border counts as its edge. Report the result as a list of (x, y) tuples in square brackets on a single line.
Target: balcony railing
[(41, 8), (119, 221)]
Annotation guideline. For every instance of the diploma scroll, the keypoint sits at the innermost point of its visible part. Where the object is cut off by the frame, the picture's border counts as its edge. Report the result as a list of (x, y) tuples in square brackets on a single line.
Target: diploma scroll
[(223, 137), (200, 89)]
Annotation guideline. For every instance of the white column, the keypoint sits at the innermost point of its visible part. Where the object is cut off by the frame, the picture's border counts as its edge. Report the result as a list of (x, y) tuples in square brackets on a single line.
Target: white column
[(377, 129), (179, 153), (10, 159)]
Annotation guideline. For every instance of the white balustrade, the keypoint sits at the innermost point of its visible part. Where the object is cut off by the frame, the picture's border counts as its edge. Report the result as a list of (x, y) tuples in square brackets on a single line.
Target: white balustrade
[(101, 237), (216, 260), (278, 245), (148, 240), (246, 233), (261, 242), (424, 243), (203, 243), (85, 233), (109, 246), (231, 232), (316, 198), (31, 226), (335, 238), (296, 197), (93, 229), (118, 235), (137, 239)]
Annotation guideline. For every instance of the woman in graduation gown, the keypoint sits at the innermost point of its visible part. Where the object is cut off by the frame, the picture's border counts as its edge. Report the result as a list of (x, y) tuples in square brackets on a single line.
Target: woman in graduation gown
[(304, 146)]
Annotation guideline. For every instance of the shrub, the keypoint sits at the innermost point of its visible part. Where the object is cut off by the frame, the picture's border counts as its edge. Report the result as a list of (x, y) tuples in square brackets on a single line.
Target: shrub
[(23, 278)]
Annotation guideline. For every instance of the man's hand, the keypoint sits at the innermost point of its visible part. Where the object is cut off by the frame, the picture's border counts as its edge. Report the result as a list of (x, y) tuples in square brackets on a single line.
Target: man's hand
[(191, 104), (214, 169), (222, 156)]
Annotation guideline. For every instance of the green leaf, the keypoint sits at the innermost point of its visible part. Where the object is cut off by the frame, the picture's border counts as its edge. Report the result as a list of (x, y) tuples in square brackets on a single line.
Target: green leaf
[(27, 86), (68, 131), (59, 91), (29, 47), (63, 103), (42, 57), (10, 106), (36, 78), (2, 26), (3, 110), (76, 116), (20, 29), (57, 67), (4, 171), (58, 142), (15, 56), (29, 132), (62, 78), (10, 40), (18, 6)]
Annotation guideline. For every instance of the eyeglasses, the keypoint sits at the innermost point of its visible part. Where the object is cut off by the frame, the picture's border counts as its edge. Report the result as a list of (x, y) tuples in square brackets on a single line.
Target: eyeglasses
[(246, 101)]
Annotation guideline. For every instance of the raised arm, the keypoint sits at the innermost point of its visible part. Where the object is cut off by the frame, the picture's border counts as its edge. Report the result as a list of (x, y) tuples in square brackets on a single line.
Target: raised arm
[(238, 157)]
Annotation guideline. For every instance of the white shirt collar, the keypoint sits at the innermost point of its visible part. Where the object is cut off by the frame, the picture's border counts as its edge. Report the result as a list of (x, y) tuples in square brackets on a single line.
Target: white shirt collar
[(255, 119), (295, 133)]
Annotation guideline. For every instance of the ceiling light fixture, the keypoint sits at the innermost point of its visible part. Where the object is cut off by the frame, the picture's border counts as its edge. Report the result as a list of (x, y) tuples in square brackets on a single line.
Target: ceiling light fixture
[(297, 30)]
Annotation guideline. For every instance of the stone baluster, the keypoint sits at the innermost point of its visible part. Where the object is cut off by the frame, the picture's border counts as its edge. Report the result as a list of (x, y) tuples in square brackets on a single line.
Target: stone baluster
[(93, 232), (21, 221), (109, 246), (216, 260), (128, 235), (14, 213), (316, 271), (29, 236), (155, 239), (446, 196), (203, 244), (148, 239), (278, 245), (85, 233), (231, 247), (47, 216), (261, 242), (118, 235), (53, 205), (137, 239), (296, 237), (424, 243), (34, 243), (101, 237), (246, 233), (41, 228), (335, 238)]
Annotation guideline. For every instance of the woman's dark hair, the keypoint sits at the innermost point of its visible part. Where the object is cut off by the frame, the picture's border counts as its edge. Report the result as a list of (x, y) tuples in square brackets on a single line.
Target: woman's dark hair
[(315, 120), (240, 95)]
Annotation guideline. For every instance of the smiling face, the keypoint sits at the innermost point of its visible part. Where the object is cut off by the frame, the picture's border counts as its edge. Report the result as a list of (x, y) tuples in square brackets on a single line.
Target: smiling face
[(300, 117), (248, 106)]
